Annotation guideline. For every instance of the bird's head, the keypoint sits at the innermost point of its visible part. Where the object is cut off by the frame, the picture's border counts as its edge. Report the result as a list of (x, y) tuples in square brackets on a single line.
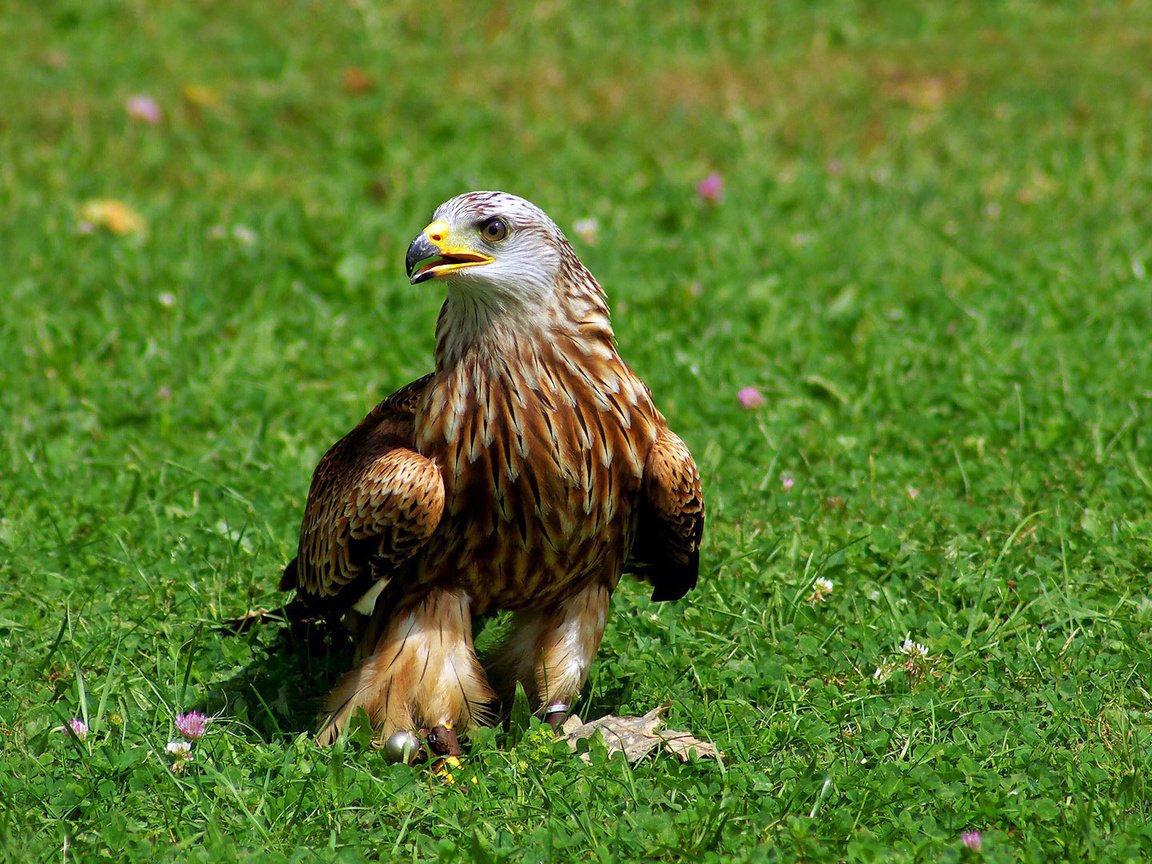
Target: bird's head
[(493, 248)]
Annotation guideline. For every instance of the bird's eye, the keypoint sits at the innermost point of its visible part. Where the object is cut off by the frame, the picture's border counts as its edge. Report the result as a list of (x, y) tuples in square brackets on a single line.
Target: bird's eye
[(493, 230)]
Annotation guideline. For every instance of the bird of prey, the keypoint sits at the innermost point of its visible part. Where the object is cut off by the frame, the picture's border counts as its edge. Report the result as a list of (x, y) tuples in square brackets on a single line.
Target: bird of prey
[(526, 474)]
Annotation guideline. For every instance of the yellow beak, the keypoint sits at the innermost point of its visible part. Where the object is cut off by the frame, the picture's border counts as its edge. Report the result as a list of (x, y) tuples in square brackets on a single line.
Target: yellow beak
[(432, 255)]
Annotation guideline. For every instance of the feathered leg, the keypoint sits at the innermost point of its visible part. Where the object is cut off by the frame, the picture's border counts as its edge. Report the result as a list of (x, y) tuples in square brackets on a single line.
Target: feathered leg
[(549, 651), (418, 669)]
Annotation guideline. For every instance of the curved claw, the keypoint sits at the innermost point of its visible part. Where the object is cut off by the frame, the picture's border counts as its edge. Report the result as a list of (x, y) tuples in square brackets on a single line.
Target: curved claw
[(442, 742)]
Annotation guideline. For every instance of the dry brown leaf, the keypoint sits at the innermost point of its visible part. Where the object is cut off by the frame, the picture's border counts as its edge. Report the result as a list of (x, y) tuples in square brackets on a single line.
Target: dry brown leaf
[(925, 92), (636, 737), (357, 82), (246, 621)]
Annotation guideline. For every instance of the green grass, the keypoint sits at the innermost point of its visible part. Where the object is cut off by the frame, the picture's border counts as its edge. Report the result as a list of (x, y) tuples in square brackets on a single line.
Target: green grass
[(933, 258)]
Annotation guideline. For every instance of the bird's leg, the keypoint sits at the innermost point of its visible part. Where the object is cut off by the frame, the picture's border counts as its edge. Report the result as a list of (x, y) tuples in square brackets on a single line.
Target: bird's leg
[(419, 670), (549, 651), (556, 713)]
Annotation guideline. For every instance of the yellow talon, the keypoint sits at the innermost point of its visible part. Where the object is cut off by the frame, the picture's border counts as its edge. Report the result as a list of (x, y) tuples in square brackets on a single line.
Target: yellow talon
[(441, 770)]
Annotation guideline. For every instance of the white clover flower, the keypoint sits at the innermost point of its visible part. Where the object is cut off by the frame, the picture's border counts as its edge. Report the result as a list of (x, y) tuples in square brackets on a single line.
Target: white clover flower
[(180, 753), (244, 235), (821, 588), (588, 230), (913, 649)]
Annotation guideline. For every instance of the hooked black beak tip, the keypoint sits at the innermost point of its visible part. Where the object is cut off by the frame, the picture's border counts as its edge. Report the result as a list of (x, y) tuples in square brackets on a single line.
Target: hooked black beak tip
[(419, 250)]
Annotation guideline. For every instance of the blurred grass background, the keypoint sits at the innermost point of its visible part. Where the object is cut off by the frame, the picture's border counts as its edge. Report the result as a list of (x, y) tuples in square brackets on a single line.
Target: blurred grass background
[(931, 255)]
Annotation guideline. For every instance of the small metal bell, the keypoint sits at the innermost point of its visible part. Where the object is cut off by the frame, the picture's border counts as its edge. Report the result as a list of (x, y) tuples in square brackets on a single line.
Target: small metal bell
[(401, 747)]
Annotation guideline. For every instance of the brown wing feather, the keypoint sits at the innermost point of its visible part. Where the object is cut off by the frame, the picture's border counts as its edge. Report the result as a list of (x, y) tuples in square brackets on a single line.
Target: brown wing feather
[(666, 551), (373, 503)]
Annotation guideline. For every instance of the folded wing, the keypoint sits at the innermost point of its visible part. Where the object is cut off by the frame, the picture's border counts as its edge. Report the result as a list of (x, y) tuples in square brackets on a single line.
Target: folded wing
[(373, 504), (666, 551)]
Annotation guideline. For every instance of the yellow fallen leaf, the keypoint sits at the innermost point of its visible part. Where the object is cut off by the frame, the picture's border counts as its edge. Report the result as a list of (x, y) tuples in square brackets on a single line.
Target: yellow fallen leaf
[(112, 215), (199, 96)]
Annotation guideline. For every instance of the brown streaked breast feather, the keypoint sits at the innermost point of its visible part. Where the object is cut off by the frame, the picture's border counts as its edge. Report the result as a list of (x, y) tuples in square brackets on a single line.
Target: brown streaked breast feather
[(550, 503), (670, 525), (373, 504)]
